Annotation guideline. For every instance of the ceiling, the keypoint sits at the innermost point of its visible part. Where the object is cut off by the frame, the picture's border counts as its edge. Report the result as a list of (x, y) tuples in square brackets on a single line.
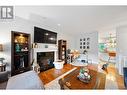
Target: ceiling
[(77, 19)]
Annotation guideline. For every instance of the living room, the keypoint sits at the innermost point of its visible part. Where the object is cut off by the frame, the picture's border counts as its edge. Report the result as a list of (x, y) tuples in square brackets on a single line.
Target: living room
[(80, 28)]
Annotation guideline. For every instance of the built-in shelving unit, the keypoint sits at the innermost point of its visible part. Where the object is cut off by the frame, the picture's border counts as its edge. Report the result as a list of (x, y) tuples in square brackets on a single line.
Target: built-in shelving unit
[(62, 45), (20, 59)]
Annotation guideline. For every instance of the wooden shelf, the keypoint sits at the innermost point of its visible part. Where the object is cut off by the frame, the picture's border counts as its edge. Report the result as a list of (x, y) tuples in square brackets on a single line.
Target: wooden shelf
[(20, 61), (62, 45)]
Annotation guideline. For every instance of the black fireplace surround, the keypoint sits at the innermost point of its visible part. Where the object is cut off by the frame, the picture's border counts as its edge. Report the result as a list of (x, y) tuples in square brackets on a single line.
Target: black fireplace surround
[(45, 60)]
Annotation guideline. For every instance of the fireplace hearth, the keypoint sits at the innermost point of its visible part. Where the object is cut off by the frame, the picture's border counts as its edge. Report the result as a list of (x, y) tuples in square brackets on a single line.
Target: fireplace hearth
[(45, 60)]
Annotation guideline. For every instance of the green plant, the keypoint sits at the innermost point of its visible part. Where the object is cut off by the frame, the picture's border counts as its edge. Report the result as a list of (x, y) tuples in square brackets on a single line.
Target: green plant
[(1, 59)]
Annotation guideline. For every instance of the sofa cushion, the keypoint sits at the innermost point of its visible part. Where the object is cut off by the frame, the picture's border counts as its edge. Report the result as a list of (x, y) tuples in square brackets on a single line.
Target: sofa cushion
[(27, 80)]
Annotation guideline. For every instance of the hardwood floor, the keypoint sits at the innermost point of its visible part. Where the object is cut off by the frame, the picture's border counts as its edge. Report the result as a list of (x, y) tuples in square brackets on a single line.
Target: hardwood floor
[(120, 82), (114, 73), (53, 73)]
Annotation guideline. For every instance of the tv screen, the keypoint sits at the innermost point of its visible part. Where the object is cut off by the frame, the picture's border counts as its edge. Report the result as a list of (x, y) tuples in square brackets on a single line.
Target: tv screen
[(44, 36)]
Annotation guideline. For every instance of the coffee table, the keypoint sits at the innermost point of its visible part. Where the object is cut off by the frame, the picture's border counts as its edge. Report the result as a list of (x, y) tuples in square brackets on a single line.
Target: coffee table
[(71, 81)]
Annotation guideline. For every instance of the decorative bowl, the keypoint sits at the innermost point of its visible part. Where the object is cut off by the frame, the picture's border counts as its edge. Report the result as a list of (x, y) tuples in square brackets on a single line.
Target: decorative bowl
[(85, 80)]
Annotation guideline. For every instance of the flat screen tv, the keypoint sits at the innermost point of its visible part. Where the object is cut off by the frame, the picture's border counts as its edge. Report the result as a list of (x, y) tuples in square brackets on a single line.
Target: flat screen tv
[(44, 36)]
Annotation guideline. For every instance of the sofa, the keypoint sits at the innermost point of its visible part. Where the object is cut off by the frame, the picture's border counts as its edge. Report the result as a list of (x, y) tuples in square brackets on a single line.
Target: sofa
[(27, 80), (3, 76), (3, 79)]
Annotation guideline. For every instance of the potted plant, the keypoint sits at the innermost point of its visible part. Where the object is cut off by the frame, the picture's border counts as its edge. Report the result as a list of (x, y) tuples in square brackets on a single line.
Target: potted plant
[(1, 60)]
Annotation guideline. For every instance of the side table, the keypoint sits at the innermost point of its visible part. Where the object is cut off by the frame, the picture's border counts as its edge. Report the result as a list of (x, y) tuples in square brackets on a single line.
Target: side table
[(2, 67)]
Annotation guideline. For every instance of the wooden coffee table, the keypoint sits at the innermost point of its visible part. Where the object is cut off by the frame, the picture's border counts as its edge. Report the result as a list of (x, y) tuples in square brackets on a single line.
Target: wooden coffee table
[(71, 81)]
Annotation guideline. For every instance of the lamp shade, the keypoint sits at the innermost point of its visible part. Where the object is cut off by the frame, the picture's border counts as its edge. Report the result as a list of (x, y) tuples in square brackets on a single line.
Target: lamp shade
[(1, 47)]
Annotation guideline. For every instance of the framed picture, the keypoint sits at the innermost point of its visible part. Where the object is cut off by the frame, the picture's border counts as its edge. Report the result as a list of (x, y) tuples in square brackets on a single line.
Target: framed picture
[(88, 47), (88, 39), (84, 47), (84, 43), (88, 43)]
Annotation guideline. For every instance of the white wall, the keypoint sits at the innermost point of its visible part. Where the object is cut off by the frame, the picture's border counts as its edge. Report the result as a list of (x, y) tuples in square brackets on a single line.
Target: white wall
[(121, 47), (5, 38), (93, 51), (106, 33), (23, 25)]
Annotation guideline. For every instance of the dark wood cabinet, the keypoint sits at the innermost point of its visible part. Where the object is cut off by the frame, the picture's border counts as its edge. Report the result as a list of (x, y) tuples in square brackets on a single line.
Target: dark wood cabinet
[(20, 51), (62, 46)]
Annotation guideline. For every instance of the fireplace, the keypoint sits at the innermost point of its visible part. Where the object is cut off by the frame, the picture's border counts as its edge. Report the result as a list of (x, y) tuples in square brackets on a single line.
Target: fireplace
[(45, 60), (40, 55)]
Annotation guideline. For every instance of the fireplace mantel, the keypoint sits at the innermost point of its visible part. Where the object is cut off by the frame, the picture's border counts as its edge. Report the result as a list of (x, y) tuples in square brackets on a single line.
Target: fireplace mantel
[(36, 50)]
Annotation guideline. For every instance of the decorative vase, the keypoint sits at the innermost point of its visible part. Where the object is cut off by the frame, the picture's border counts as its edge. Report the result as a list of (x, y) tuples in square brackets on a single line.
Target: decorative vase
[(17, 47), (84, 75)]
